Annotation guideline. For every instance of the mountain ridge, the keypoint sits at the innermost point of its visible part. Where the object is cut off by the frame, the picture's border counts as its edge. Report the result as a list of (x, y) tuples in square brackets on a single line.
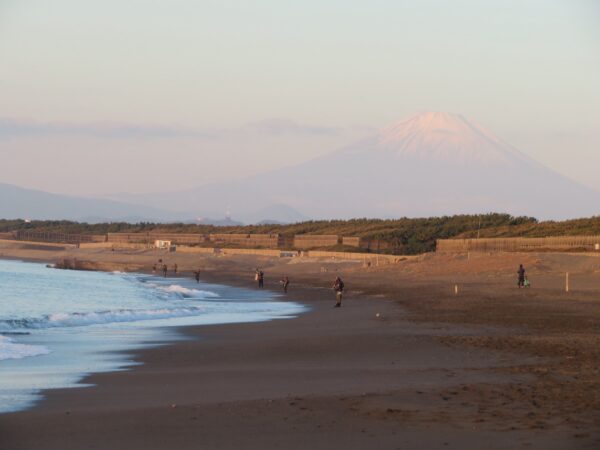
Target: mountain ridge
[(410, 169)]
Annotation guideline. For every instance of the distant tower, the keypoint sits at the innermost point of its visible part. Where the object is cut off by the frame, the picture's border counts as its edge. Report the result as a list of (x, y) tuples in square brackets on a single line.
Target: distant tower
[(228, 213)]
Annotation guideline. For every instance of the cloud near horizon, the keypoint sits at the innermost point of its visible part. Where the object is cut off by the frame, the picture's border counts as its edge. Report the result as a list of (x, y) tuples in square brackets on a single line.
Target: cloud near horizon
[(18, 128), (15, 128), (287, 126)]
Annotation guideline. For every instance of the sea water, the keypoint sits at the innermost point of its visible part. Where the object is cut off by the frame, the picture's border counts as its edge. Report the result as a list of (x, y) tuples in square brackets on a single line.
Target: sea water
[(56, 326)]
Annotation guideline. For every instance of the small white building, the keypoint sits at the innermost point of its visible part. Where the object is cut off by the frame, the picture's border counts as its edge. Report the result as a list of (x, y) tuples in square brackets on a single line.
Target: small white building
[(163, 245)]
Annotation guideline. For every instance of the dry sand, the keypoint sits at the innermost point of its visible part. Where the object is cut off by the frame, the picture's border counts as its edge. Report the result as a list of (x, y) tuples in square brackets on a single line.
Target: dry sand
[(404, 363)]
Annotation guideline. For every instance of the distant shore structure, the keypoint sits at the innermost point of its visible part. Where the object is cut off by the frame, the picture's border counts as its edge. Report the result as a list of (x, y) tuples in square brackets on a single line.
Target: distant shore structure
[(554, 243), (305, 242)]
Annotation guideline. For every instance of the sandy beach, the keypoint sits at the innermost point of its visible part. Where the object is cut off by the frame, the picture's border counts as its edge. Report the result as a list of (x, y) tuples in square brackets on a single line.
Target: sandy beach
[(405, 363)]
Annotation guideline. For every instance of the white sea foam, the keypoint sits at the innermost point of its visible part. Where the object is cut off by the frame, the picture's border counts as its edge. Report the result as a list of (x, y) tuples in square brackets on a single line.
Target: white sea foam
[(187, 292), (76, 319), (12, 350)]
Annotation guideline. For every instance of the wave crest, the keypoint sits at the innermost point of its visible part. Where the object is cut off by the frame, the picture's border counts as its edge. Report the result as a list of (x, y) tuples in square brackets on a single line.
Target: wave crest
[(12, 350), (100, 317)]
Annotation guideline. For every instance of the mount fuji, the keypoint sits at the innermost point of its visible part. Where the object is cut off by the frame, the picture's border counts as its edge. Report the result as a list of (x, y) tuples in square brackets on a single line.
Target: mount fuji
[(429, 164)]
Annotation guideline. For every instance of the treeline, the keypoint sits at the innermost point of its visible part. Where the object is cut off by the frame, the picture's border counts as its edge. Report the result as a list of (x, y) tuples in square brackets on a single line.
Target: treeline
[(406, 236), (574, 227)]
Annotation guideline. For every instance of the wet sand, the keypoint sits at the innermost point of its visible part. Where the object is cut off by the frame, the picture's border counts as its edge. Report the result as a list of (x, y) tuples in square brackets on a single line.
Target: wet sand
[(404, 363)]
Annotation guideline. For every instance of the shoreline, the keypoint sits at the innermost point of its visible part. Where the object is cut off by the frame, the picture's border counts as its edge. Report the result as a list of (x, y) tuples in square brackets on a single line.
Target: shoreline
[(329, 378), (162, 334)]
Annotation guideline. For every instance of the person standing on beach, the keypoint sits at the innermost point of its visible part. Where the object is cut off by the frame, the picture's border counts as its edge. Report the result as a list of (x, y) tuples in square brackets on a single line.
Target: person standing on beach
[(338, 287), (154, 268), (521, 273), (197, 275), (175, 269), (261, 279), (285, 281), (164, 270)]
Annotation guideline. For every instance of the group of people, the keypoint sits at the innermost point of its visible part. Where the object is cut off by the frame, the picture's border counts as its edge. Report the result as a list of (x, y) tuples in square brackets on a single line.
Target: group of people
[(338, 285), (164, 269), (259, 277)]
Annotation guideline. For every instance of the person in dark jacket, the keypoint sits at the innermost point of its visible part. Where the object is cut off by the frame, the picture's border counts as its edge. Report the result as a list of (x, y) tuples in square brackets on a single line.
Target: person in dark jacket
[(521, 273), (285, 281), (338, 287), (261, 279)]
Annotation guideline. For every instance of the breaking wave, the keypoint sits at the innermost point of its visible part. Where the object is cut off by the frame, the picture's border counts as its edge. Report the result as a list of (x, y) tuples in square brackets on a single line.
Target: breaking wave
[(186, 292), (11, 350), (76, 319)]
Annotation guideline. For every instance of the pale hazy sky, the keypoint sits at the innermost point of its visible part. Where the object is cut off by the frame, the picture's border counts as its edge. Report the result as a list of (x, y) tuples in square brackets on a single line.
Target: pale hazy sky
[(141, 95)]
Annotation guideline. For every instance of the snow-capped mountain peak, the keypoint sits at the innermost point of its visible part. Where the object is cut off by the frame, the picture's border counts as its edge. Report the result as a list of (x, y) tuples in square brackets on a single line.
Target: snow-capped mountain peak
[(445, 137)]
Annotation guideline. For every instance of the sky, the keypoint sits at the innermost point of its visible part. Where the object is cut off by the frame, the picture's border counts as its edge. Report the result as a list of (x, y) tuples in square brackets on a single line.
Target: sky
[(103, 97)]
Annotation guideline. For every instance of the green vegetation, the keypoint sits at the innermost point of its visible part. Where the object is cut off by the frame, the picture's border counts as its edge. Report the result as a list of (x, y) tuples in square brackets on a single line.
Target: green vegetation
[(402, 236), (575, 227)]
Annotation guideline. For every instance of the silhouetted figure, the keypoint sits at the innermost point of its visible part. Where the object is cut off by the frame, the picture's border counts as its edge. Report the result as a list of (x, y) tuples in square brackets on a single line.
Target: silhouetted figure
[(154, 268), (521, 273), (197, 275), (285, 281), (164, 270), (175, 269), (261, 279), (338, 287)]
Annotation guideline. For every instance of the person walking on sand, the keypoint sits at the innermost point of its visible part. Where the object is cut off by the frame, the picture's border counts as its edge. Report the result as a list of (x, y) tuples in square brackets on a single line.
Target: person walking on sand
[(164, 270), (521, 273), (338, 287), (285, 281), (261, 279)]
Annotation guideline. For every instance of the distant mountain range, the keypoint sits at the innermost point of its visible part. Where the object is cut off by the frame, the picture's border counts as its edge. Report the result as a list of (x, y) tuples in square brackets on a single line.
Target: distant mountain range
[(21, 203), (430, 164), (427, 165), (17, 202)]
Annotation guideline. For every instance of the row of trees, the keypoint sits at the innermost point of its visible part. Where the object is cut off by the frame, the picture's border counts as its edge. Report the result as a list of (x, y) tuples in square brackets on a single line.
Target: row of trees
[(405, 235)]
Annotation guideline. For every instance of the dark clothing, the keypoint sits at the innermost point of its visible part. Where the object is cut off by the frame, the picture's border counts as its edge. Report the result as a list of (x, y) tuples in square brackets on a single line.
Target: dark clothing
[(261, 279), (521, 273), (338, 287), (285, 283)]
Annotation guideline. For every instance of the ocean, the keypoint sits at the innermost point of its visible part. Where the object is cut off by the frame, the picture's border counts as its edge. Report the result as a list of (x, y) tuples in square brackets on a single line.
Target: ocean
[(56, 326)]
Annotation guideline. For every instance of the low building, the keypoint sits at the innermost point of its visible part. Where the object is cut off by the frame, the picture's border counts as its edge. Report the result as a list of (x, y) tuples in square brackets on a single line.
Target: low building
[(163, 245)]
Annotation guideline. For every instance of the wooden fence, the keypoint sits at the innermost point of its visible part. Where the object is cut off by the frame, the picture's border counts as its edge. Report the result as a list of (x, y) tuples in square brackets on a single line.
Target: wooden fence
[(351, 241), (237, 240), (46, 236), (558, 243), (366, 257), (150, 237), (247, 240), (308, 241)]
